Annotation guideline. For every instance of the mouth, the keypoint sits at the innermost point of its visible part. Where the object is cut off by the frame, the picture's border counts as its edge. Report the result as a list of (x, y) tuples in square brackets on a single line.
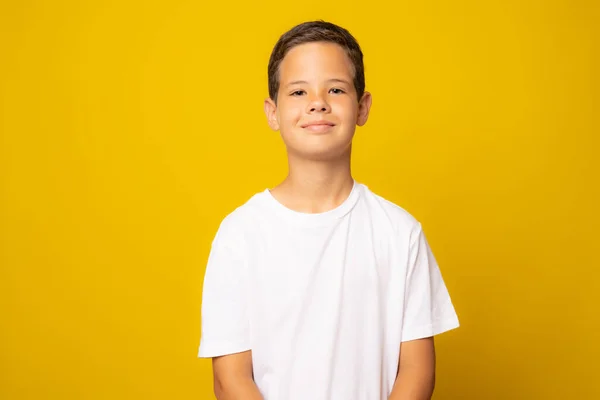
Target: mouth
[(318, 126)]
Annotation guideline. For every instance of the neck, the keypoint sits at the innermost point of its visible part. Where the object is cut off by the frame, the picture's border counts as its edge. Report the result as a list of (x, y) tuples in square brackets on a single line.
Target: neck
[(315, 186)]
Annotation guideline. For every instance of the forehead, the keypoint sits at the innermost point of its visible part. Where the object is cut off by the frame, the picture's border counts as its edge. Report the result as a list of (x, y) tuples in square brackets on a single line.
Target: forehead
[(314, 61)]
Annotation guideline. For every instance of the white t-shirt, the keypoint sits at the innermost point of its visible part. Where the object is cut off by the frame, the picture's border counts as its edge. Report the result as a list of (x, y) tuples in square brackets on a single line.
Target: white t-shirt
[(322, 300)]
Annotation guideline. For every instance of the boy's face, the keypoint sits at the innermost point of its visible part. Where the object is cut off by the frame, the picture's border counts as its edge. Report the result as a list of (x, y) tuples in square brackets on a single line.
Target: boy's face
[(317, 108)]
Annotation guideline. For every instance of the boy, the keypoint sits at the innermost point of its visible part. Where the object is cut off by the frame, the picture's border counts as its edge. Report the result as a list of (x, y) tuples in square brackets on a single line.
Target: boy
[(319, 289)]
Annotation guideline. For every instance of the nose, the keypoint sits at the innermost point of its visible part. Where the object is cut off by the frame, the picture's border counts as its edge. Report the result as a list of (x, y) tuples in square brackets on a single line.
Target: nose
[(318, 104)]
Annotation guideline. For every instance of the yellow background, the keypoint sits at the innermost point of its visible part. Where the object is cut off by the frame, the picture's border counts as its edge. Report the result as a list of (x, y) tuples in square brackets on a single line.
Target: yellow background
[(129, 129)]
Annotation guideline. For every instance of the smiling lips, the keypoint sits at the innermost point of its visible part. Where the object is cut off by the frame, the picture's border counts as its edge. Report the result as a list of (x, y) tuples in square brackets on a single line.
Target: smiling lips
[(318, 126)]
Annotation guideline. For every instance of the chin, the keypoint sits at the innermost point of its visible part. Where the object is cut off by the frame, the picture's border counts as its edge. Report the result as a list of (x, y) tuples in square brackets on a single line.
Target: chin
[(322, 153), (320, 147)]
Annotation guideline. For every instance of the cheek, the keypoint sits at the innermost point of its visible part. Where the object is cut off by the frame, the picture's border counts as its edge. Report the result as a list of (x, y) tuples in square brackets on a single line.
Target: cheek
[(346, 109), (290, 114)]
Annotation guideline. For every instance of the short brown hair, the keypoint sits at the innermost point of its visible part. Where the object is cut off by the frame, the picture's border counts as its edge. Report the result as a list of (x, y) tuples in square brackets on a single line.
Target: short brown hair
[(316, 31)]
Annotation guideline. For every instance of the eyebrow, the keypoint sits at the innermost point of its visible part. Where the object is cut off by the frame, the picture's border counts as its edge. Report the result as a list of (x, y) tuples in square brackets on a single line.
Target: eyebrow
[(337, 80)]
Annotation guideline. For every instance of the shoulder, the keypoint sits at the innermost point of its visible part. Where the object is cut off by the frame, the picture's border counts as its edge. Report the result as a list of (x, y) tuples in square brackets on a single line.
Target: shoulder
[(240, 222), (398, 219)]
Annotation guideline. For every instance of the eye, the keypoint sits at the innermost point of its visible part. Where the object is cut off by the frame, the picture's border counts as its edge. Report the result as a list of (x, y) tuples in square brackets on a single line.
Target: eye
[(336, 91), (297, 93)]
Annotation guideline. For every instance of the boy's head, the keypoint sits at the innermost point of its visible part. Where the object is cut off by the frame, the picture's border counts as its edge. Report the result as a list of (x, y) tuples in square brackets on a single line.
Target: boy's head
[(317, 90)]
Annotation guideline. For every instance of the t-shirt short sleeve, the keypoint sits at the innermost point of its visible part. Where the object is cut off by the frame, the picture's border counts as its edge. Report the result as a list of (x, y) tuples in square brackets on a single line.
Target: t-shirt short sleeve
[(428, 308), (225, 325)]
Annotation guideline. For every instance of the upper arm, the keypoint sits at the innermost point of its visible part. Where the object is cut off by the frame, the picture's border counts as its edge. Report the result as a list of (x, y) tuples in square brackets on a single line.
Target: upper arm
[(428, 309), (419, 353), (225, 325), (232, 367), (233, 378), (416, 370)]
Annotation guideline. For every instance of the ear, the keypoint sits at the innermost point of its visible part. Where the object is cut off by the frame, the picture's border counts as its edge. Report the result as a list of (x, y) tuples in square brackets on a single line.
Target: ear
[(271, 113), (364, 106)]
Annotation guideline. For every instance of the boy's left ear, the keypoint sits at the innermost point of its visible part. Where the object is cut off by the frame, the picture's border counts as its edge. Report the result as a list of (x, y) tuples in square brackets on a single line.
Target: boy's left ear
[(364, 106)]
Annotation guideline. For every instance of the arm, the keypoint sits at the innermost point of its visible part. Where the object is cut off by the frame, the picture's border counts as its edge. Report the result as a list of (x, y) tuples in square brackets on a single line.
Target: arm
[(233, 377), (416, 371)]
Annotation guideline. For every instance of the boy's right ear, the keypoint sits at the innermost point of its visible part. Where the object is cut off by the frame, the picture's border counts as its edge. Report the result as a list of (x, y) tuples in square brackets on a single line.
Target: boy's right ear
[(271, 113)]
